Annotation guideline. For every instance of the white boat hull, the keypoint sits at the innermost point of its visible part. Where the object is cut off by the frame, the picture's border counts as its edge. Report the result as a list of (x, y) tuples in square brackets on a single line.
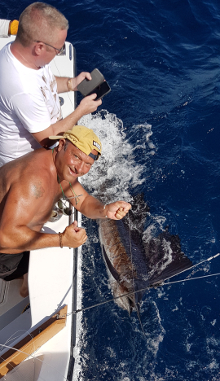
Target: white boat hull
[(52, 284)]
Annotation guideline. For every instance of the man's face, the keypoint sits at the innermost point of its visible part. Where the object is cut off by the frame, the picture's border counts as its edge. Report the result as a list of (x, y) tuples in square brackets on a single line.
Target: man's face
[(49, 52), (74, 162)]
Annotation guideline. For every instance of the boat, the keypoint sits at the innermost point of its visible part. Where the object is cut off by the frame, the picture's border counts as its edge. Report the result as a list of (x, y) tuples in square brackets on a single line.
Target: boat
[(38, 333)]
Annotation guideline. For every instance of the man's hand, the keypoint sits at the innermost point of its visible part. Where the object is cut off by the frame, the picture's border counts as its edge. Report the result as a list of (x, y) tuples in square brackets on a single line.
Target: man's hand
[(73, 236), (117, 210), (89, 104), (79, 79)]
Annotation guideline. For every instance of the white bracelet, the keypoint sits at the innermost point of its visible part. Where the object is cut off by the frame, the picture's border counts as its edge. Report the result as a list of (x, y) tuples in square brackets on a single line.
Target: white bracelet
[(104, 209)]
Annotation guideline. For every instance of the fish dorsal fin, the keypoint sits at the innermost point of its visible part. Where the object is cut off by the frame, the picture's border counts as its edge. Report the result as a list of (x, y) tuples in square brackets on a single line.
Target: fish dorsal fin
[(165, 257)]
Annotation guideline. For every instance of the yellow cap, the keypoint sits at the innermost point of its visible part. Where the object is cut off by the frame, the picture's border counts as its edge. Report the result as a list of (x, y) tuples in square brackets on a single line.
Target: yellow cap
[(83, 138), (13, 27)]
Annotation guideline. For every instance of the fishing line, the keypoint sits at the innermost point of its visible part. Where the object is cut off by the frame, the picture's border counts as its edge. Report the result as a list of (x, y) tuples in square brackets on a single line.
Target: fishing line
[(29, 356), (144, 289), (152, 286), (194, 278), (111, 300), (15, 367), (132, 266)]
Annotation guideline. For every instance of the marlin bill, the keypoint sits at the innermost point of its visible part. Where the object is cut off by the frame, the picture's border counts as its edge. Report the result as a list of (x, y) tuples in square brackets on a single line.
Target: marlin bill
[(135, 264)]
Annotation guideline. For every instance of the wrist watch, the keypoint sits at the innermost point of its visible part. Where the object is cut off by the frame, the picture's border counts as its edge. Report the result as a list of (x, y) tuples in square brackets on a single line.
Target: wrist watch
[(69, 84)]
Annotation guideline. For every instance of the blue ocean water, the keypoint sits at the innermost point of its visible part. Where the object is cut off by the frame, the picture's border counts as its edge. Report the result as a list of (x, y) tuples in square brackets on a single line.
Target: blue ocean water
[(160, 132)]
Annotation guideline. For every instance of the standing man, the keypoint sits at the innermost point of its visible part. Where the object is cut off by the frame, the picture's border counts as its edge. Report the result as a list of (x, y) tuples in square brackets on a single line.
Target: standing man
[(29, 104)]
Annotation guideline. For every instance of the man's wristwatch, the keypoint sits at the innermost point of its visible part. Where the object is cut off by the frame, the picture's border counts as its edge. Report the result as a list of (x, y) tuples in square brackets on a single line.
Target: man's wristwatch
[(69, 84)]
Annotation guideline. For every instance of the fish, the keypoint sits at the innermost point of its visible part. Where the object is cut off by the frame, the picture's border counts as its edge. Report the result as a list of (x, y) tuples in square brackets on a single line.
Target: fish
[(135, 264)]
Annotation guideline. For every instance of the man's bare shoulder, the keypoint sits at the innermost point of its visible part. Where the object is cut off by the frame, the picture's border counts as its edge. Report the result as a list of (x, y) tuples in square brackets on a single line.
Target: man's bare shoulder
[(31, 169)]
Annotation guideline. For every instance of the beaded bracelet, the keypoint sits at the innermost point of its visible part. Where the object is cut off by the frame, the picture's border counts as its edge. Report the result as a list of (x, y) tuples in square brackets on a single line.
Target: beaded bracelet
[(60, 238)]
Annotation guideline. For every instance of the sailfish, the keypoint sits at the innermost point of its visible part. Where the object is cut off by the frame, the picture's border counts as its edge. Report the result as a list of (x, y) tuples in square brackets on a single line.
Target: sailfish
[(135, 264)]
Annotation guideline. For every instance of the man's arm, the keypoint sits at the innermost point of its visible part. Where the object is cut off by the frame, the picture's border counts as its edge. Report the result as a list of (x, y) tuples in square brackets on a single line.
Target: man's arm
[(94, 209), (86, 106), (20, 219), (32, 111), (65, 84), (91, 207)]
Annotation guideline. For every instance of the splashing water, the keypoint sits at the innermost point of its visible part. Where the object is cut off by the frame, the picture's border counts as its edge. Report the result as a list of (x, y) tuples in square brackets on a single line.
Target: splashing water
[(117, 172)]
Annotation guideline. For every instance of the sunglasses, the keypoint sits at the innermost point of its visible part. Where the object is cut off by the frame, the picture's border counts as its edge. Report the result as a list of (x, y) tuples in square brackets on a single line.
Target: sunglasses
[(58, 51)]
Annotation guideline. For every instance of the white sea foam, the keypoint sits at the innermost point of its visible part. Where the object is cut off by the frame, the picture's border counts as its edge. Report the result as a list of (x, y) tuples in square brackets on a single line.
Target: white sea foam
[(113, 176), (117, 171)]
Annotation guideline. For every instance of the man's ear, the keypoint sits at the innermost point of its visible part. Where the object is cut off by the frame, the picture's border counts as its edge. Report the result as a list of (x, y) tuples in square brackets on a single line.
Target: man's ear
[(61, 144), (38, 47)]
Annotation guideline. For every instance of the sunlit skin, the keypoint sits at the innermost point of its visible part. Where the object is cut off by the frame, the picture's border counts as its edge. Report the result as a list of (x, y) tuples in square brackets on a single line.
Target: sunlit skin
[(74, 163), (29, 187), (46, 53)]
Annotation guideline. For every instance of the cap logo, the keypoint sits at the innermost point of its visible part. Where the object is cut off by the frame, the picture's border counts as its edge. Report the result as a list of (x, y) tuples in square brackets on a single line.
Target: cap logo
[(96, 145)]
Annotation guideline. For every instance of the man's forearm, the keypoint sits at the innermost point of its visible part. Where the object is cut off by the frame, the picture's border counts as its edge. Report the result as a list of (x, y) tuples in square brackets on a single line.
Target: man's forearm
[(27, 239), (58, 128), (86, 106), (23, 238), (64, 84), (68, 122), (93, 208)]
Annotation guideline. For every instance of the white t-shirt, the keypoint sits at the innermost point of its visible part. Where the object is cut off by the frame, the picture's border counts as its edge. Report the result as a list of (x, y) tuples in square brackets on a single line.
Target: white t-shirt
[(29, 103)]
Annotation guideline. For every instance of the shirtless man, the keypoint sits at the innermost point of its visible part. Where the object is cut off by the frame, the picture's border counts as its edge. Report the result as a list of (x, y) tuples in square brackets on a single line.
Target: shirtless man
[(29, 103), (29, 187)]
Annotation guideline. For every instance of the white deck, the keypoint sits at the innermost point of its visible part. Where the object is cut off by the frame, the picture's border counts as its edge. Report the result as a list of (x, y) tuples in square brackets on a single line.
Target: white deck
[(51, 278)]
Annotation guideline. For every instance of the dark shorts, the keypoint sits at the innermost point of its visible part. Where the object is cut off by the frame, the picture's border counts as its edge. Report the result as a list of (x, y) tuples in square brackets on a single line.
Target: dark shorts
[(13, 266)]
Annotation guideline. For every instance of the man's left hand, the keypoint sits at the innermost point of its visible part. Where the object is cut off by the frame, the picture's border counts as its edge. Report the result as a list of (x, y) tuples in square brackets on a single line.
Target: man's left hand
[(77, 80), (117, 210)]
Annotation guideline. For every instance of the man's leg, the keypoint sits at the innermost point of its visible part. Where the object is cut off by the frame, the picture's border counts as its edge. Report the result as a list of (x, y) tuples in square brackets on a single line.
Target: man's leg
[(21, 273), (24, 287)]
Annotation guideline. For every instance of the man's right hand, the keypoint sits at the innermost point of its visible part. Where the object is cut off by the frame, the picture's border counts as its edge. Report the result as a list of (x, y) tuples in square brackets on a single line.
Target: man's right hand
[(89, 104), (73, 236)]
